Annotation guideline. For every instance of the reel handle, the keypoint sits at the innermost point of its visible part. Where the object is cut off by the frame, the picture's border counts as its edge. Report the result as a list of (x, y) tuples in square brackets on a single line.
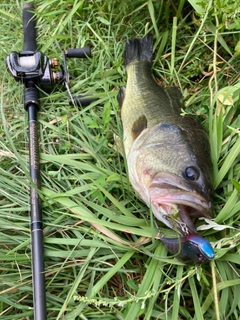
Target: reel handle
[(81, 101), (78, 52), (29, 28)]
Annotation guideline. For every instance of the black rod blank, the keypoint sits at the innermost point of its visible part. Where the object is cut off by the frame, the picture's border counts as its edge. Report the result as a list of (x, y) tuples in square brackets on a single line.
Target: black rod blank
[(38, 276)]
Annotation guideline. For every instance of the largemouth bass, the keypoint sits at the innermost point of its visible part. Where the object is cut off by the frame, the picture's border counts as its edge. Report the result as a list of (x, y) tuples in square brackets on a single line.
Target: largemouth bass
[(168, 155)]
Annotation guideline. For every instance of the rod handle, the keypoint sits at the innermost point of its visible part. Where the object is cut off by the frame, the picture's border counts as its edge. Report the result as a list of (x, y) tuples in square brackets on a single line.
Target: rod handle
[(29, 28)]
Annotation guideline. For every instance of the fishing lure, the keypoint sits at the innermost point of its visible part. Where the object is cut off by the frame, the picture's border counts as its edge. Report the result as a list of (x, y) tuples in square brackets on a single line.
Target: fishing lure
[(190, 248)]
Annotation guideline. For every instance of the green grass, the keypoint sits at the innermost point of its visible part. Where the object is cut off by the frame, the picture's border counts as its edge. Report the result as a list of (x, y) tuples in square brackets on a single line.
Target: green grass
[(101, 255)]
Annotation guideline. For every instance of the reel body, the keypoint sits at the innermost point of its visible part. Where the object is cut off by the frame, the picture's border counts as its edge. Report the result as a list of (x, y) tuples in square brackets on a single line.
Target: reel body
[(47, 73)]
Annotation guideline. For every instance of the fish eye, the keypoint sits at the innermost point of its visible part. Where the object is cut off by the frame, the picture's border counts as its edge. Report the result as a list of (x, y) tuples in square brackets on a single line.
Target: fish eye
[(191, 173)]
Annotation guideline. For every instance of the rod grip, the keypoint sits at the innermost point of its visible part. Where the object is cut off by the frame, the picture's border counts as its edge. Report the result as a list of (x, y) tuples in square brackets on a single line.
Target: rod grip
[(78, 52), (29, 28)]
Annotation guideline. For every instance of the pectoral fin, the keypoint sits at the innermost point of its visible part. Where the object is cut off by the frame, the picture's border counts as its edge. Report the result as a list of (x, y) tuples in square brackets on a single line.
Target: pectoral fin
[(121, 96), (138, 126), (118, 144)]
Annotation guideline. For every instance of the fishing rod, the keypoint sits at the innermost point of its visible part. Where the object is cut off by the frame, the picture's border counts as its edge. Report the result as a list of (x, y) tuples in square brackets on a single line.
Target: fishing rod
[(35, 70)]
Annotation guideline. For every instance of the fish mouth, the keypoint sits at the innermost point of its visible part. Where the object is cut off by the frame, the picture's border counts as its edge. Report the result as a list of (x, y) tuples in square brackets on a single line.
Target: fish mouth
[(178, 203)]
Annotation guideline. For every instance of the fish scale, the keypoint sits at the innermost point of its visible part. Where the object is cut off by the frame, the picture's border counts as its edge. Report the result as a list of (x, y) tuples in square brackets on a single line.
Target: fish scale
[(140, 87)]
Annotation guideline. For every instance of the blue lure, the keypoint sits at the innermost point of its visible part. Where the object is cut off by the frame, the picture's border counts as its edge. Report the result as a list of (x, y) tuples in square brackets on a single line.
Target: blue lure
[(190, 249)]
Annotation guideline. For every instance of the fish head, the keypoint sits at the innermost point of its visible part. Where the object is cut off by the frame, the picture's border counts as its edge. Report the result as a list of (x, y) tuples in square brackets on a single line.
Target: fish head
[(171, 171)]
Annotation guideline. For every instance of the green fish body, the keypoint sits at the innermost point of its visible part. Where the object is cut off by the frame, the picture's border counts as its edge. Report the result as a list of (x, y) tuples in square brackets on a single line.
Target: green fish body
[(168, 155)]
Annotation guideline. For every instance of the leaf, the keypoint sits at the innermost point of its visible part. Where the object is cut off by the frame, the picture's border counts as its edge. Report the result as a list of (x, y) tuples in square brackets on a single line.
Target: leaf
[(228, 162), (197, 5), (212, 225), (226, 100), (104, 21), (236, 185), (237, 49)]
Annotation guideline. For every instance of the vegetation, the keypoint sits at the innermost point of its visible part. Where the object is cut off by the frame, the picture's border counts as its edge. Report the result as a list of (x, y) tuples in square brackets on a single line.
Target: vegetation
[(102, 254)]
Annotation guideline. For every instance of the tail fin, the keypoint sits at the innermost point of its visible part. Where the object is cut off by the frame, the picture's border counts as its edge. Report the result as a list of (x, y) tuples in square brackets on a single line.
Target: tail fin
[(139, 49)]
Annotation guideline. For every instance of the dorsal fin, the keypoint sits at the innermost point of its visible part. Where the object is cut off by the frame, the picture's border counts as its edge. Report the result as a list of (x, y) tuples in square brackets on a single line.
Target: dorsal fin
[(175, 98), (138, 126)]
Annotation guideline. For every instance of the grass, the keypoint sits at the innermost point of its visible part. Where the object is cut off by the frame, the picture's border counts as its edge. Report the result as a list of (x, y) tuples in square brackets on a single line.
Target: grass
[(101, 255)]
